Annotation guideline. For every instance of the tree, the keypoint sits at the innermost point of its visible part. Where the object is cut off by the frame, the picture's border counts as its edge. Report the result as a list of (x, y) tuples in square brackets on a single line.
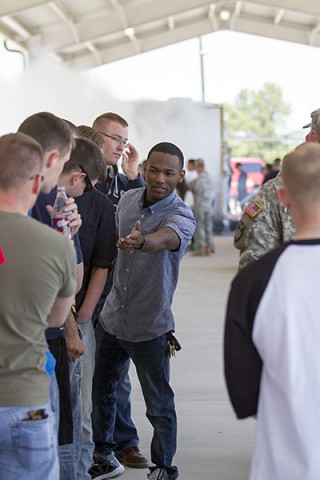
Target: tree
[(255, 123)]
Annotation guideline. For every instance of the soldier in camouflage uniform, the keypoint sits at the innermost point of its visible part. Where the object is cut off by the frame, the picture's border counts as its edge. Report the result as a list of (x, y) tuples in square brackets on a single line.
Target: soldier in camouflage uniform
[(202, 189), (265, 223)]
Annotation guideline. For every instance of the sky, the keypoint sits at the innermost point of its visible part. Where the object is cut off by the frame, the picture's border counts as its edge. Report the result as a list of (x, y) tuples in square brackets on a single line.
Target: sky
[(232, 61)]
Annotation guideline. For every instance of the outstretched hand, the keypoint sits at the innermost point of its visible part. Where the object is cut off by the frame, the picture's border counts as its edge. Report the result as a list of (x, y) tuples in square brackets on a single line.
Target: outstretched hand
[(133, 240)]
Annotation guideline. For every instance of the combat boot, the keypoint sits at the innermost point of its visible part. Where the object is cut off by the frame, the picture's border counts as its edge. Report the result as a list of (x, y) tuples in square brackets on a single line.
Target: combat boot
[(201, 252)]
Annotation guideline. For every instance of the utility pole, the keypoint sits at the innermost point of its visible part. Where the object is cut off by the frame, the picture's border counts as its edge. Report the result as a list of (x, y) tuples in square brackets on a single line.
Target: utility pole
[(201, 54)]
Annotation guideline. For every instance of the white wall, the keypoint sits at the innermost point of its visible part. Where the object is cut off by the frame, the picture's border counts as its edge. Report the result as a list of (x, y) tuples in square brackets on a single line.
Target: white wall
[(47, 86), (194, 127)]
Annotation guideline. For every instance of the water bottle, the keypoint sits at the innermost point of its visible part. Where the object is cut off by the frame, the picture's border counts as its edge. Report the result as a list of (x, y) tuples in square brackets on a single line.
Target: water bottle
[(59, 219)]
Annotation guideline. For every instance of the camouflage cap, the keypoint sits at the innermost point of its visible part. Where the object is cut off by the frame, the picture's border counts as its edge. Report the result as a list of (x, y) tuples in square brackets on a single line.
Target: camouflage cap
[(315, 120)]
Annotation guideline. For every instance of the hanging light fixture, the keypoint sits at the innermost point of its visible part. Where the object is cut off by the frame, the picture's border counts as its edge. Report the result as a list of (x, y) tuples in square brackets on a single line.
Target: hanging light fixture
[(225, 14)]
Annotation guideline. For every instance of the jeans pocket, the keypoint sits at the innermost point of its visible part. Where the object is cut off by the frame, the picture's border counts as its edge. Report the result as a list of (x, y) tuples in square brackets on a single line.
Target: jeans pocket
[(33, 442)]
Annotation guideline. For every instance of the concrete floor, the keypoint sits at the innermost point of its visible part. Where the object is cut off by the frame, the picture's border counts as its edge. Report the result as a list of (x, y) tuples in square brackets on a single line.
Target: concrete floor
[(212, 443)]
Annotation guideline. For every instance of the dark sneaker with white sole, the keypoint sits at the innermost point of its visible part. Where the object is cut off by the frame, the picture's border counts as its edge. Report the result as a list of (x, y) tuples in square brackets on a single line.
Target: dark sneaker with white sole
[(100, 471), (105, 466)]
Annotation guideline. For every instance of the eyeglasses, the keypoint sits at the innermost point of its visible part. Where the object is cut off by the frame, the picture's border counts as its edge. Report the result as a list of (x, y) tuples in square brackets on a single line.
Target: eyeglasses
[(124, 143), (89, 185), (36, 175)]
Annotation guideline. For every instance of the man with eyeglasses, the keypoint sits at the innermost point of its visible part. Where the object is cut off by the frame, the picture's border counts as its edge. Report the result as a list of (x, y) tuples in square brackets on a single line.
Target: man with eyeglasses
[(37, 277), (114, 130)]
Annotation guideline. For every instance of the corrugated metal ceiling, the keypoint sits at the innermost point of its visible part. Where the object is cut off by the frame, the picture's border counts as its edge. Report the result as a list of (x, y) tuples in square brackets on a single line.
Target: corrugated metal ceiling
[(85, 34)]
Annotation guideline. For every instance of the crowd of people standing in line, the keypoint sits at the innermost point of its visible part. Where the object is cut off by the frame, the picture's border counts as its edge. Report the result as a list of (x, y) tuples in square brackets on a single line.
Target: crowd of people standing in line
[(74, 314), (122, 224)]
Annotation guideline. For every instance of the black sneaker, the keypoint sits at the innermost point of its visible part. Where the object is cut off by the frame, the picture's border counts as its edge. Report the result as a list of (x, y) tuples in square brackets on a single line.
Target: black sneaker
[(161, 474), (105, 458), (100, 471)]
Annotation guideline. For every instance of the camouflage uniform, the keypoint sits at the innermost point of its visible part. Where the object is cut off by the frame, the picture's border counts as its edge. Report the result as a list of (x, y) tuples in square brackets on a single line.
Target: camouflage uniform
[(264, 225), (202, 190)]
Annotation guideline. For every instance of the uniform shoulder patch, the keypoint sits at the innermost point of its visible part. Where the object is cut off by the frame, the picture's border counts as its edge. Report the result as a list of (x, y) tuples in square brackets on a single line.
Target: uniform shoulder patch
[(238, 232), (253, 208)]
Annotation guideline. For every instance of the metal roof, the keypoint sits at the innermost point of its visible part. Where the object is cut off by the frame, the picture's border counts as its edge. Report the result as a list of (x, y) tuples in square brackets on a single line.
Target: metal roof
[(86, 33)]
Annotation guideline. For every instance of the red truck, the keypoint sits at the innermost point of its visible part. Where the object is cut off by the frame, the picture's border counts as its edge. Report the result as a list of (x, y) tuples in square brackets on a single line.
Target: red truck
[(252, 166)]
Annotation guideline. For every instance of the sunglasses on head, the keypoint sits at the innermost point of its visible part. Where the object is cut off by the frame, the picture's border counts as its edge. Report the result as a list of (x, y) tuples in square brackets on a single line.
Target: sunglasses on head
[(89, 185)]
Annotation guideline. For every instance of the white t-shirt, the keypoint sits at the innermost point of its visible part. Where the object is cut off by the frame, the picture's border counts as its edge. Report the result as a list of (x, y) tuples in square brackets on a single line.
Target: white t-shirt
[(277, 298)]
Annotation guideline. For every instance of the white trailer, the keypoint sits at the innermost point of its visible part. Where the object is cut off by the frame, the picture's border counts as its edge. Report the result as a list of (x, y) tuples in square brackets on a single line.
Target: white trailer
[(196, 128)]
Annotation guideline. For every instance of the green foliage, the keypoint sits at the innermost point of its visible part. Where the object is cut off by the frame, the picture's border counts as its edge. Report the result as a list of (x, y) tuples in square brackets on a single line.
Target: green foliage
[(255, 121)]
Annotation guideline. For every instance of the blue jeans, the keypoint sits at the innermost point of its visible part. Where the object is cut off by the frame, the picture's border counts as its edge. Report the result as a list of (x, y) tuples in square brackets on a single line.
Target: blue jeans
[(28, 449), (152, 363), (89, 343), (126, 433), (69, 453), (54, 401)]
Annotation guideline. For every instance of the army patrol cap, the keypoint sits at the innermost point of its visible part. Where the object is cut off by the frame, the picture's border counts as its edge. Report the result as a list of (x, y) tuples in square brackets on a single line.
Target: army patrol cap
[(315, 120)]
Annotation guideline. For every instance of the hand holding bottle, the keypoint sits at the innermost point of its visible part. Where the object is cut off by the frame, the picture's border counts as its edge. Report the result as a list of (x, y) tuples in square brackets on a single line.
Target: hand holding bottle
[(60, 214)]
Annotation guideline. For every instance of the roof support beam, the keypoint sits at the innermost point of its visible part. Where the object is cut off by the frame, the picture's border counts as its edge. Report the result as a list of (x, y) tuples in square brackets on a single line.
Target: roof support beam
[(66, 17), (311, 7), (313, 34), (213, 18), (120, 11), (14, 25), (235, 15), (5, 33), (11, 7), (278, 16), (171, 22), (94, 52)]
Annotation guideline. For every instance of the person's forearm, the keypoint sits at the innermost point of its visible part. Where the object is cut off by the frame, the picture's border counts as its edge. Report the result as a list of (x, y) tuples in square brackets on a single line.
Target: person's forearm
[(71, 325), (59, 311), (164, 239), (79, 276), (94, 291), (74, 343)]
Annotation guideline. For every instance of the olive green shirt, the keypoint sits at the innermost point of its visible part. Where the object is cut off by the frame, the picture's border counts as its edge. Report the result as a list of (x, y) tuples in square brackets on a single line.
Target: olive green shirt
[(37, 264)]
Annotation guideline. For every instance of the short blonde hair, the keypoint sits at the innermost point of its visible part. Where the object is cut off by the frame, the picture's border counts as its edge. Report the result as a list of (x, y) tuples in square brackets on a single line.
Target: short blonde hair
[(301, 174), (108, 117)]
